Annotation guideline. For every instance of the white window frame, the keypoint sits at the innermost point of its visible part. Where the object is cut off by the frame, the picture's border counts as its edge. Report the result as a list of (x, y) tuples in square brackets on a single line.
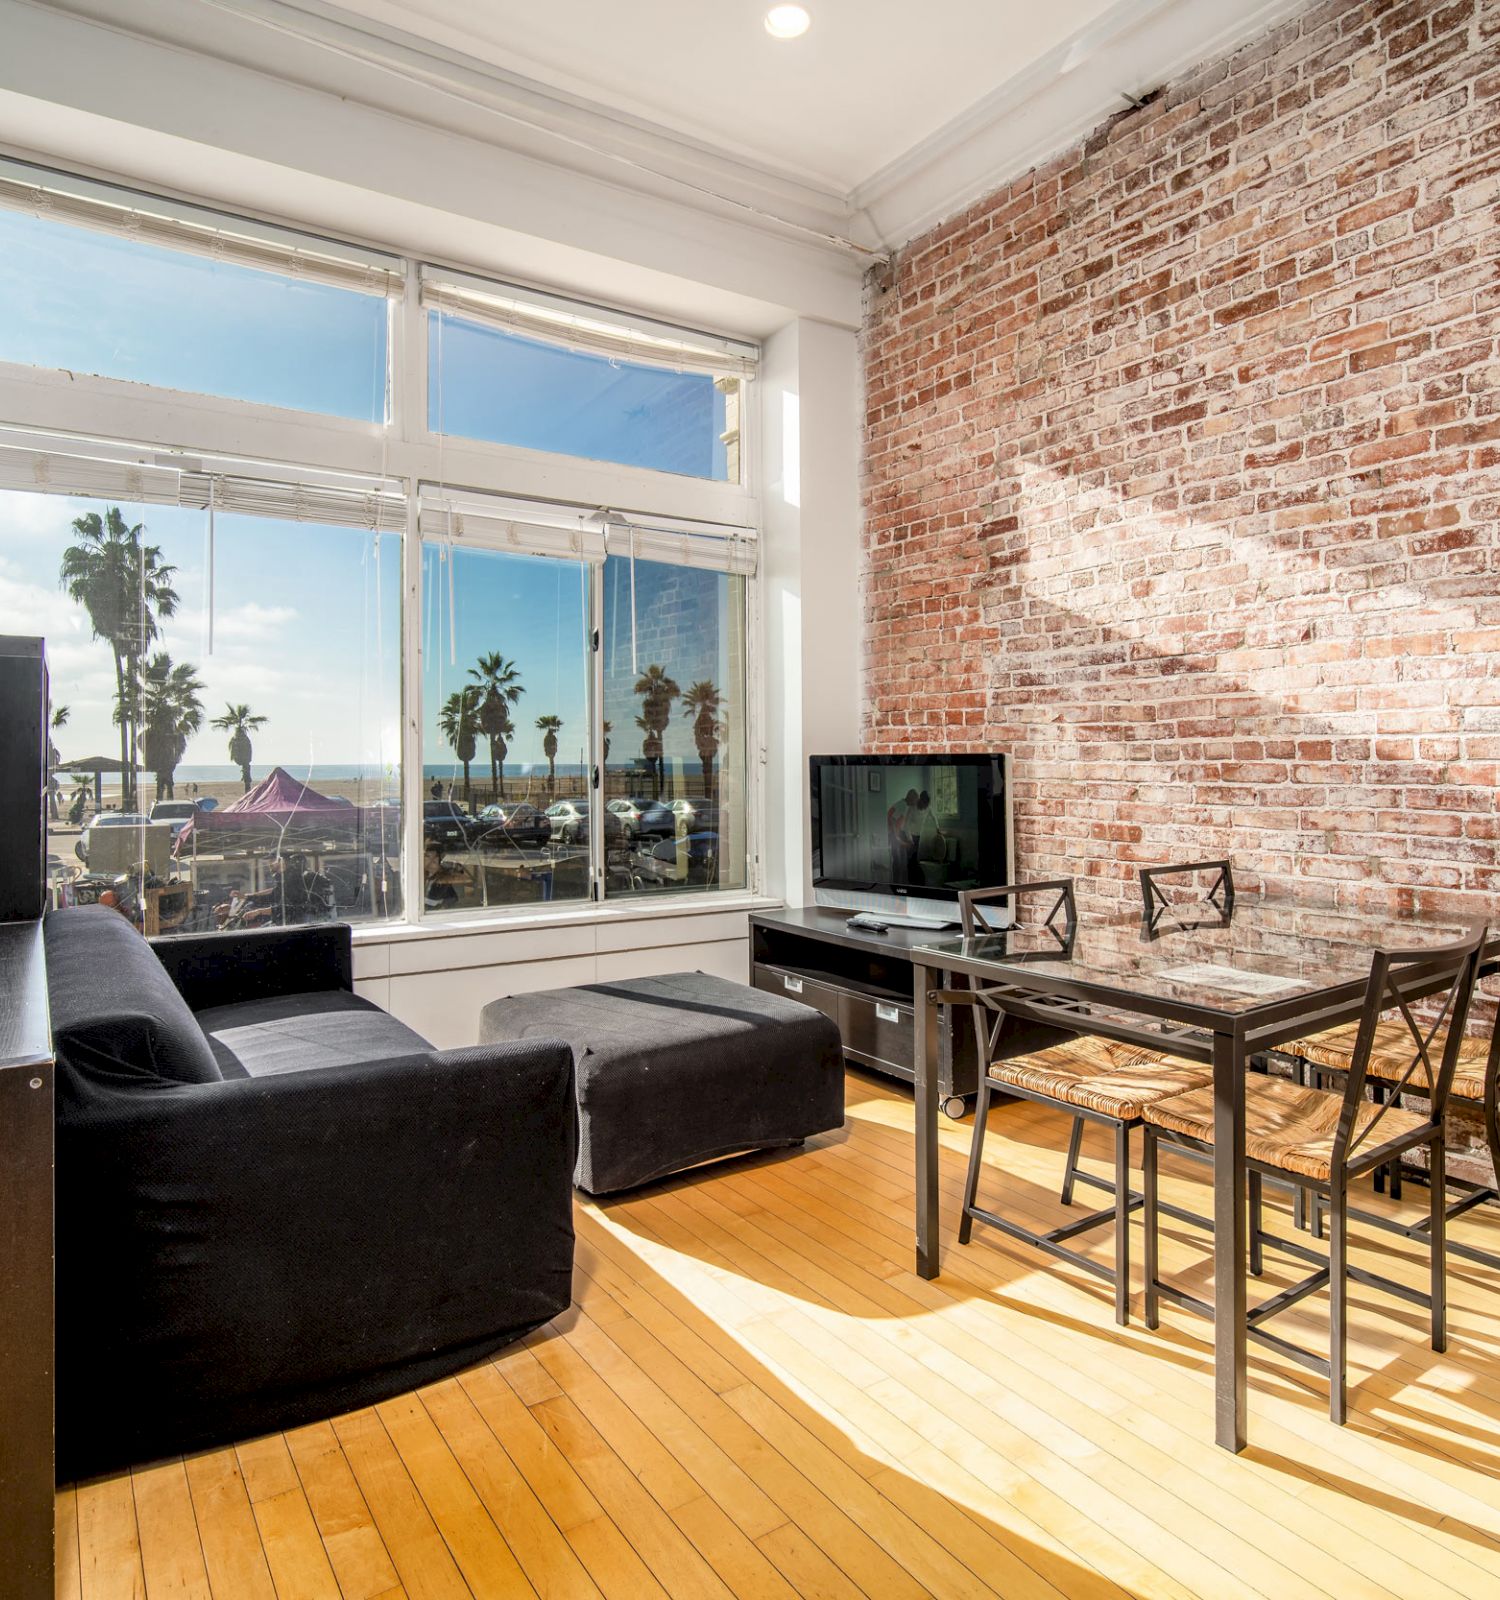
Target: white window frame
[(175, 423)]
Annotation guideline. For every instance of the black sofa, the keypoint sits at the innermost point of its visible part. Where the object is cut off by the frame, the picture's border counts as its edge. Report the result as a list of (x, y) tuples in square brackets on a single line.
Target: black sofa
[(274, 1200)]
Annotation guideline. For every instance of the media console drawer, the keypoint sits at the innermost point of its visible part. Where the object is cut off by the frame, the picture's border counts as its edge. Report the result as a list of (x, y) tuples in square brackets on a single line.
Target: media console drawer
[(878, 1029), (815, 992), (863, 981)]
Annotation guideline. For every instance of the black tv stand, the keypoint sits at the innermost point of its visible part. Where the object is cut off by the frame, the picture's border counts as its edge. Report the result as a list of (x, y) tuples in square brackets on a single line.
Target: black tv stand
[(863, 980)]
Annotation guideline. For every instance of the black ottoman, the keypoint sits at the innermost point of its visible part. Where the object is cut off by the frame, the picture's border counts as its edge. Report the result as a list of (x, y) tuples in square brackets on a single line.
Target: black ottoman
[(676, 1070)]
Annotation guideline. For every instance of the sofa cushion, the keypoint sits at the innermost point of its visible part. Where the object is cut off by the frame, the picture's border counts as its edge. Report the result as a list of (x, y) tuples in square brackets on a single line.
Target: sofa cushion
[(112, 1002), (292, 1032)]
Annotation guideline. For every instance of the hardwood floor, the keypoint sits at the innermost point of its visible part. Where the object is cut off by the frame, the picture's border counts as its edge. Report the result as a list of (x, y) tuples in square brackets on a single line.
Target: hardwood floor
[(753, 1394)]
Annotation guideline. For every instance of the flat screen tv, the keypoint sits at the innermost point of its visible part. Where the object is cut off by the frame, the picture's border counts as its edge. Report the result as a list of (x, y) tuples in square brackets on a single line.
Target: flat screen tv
[(900, 836)]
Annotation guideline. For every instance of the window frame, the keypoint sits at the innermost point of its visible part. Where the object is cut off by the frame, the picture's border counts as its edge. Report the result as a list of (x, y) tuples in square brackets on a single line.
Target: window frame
[(182, 425)]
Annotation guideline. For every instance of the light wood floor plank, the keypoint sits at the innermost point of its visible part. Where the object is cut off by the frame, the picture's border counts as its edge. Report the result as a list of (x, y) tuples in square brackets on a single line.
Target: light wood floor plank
[(537, 1543), (171, 1552), (232, 1551), (299, 1563), (355, 1549), (69, 1584), (109, 1541), (418, 1550)]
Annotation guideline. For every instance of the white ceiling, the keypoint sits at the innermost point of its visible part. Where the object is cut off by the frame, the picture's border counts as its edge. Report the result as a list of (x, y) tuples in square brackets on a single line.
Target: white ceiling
[(868, 81)]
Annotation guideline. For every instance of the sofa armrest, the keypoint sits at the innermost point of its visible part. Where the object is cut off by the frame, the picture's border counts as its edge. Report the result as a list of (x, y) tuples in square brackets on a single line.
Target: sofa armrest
[(220, 969), (238, 1257)]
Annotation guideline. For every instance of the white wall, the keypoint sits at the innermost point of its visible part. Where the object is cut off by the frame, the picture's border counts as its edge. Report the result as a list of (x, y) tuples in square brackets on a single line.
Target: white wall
[(809, 395)]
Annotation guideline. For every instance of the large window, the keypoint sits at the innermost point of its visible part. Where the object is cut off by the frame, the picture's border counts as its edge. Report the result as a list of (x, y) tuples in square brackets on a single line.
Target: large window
[(505, 721), (674, 719), (299, 673), (226, 705), (530, 371), (103, 286)]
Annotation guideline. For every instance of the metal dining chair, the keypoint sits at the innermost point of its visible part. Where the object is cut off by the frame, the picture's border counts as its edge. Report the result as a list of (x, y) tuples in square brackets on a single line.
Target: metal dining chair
[(1220, 896), (1322, 1140), (1476, 1081), (1093, 1078)]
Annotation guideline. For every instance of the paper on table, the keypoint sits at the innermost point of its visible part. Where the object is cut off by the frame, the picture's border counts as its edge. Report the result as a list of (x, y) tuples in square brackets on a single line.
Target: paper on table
[(1212, 976)]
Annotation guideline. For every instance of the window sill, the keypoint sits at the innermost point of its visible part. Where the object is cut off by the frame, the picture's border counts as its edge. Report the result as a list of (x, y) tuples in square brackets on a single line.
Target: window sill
[(584, 914)]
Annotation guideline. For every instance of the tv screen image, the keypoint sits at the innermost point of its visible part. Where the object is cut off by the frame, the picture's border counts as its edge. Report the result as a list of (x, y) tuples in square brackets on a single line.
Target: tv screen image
[(908, 828)]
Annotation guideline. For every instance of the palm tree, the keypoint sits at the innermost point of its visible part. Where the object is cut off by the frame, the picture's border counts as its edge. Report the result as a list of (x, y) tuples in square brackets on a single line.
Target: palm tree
[(238, 723), (58, 720), (548, 727), (701, 706), (82, 784), (500, 681), (657, 691), (651, 750), (459, 720), (171, 713), (125, 587)]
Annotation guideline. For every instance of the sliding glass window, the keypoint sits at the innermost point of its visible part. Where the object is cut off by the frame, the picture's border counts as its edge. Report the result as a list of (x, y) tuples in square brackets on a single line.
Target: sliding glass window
[(675, 711), (520, 368), (105, 282), (226, 700), (505, 707)]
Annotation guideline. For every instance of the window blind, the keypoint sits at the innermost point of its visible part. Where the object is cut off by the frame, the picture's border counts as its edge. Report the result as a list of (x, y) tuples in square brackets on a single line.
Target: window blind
[(574, 325), (176, 225), (35, 464), (496, 524), (716, 549)]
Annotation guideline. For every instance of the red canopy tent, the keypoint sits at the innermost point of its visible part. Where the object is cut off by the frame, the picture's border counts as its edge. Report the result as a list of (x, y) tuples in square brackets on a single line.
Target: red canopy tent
[(278, 810)]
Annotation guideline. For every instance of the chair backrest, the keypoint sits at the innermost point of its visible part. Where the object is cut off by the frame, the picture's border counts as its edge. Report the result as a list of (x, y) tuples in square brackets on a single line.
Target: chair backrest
[(1061, 918), (1060, 888), (1219, 894), (1397, 979)]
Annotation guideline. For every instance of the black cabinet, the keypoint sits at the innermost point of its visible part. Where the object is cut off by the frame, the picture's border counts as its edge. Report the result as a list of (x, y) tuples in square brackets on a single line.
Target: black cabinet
[(23, 779), (864, 982)]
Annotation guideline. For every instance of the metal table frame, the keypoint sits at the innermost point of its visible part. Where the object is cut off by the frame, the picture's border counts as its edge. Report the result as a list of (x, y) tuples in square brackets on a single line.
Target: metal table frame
[(1233, 1037)]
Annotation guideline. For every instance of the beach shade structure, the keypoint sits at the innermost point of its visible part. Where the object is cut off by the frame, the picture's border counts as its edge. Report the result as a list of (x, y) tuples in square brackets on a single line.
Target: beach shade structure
[(98, 765), (278, 813)]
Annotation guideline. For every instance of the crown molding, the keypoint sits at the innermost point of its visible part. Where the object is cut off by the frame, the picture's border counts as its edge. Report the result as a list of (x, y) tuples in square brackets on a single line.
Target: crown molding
[(321, 46), (1133, 47)]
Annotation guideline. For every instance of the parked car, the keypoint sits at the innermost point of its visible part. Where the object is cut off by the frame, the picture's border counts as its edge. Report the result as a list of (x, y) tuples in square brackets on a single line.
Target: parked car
[(570, 823), (517, 824), (692, 860), (700, 815), (107, 819), (644, 819), (569, 820), (447, 822), (178, 812)]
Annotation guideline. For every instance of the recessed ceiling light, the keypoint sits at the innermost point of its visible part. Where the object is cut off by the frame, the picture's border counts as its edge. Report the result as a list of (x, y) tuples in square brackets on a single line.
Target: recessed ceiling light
[(787, 22)]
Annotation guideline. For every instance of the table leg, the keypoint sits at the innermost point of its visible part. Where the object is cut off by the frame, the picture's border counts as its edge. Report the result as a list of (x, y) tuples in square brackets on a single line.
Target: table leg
[(1229, 1241), (926, 1022)]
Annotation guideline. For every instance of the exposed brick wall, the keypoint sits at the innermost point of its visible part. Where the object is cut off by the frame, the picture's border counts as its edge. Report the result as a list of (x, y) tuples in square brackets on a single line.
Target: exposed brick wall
[(1183, 473)]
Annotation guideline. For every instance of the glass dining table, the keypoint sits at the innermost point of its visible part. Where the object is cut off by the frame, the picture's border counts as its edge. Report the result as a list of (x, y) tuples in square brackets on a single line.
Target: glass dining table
[(1209, 984)]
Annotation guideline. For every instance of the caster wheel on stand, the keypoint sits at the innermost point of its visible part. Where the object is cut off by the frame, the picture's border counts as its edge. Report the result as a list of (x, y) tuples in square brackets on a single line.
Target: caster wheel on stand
[(956, 1107)]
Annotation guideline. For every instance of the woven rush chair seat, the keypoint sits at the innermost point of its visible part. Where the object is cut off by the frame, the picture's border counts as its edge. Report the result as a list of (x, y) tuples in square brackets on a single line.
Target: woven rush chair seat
[(1392, 1055), (1100, 1075), (1286, 1127)]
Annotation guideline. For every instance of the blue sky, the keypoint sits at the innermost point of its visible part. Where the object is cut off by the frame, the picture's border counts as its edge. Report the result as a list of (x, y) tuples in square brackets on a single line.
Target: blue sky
[(97, 303), (306, 619)]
